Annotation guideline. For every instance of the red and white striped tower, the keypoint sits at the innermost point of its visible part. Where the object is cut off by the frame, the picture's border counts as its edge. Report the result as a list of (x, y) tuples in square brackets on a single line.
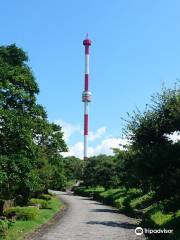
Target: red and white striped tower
[(86, 95)]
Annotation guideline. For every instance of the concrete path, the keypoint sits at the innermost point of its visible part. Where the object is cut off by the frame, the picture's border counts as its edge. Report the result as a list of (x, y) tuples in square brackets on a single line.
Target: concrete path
[(89, 220)]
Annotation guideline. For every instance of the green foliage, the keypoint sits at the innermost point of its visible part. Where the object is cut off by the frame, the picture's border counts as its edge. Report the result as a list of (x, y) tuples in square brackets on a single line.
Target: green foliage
[(160, 218), (73, 168), (70, 184), (58, 179), (135, 203), (154, 158), (41, 203), (82, 191), (22, 213), (146, 174), (20, 228), (156, 218), (88, 192), (120, 197), (17, 176), (142, 201), (122, 200), (109, 197), (101, 171), (29, 143), (46, 197), (4, 225), (12, 55), (51, 194)]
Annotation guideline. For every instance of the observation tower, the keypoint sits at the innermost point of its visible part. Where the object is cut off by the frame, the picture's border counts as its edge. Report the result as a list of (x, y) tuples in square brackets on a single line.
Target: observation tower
[(86, 95)]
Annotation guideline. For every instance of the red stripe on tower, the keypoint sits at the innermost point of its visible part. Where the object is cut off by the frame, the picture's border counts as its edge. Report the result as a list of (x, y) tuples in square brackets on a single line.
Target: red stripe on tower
[(86, 49), (86, 82), (86, 124)]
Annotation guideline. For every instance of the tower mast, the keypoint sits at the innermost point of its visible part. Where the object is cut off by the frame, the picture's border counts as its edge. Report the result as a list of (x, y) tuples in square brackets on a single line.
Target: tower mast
[(86, 95)]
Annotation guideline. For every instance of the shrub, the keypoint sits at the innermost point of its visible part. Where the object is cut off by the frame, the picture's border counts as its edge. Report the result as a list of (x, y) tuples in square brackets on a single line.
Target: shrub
[(51, 194), (109, 196), (41, 203), (46, 197), (82, 191), (143, 201), (22, 213), (125, 197), (88, 192), (3, 228), (119, 203), (96, 194)]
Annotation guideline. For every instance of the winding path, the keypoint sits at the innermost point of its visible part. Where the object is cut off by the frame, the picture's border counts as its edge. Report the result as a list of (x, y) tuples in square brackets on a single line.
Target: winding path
[(85, 219)]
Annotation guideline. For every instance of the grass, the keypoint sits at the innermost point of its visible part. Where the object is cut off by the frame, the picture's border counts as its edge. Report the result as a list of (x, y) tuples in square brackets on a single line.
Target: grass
[(142, 201), (156, 218), (18, 229), (159, 218), (135, 203)]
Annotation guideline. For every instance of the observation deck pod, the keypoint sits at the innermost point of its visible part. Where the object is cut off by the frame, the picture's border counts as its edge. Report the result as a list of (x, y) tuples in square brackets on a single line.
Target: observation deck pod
[(86, 96), (87, 42)]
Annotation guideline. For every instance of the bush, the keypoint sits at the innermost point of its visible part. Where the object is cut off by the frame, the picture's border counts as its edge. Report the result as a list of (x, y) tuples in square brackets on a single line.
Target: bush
[(119, 203), (96, 194), (108, 197), (22, 213), (155, 218), (51, 194), (3, 228), (81, 191), (142, 201), (46, 197), (41, 203), (88, 192)]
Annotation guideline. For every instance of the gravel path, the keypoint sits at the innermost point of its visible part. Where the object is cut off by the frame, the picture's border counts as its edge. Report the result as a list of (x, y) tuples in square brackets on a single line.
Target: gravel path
[(89, 220)]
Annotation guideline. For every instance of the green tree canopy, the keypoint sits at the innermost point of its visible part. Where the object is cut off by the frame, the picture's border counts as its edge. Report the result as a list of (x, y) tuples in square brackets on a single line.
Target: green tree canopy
[(28, 141), (101, 170), (154, 162)]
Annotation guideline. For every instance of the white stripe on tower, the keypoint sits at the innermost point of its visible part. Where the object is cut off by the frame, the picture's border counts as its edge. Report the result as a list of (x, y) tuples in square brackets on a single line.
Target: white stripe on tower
[(86, 98), (86, 63)]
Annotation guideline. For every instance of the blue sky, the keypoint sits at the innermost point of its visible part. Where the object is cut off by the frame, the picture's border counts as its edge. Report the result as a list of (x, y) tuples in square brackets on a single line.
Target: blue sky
[(135, 48)]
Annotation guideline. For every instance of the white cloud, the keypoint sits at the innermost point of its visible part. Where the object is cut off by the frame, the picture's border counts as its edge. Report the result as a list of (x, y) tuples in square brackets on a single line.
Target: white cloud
[(105, 147), (175, 136), (98, 134), (68, 128), (75, 150)]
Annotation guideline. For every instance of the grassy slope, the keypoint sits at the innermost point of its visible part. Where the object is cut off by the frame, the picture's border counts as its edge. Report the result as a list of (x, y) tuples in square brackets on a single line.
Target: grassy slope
[(20, 228), (134, 203)]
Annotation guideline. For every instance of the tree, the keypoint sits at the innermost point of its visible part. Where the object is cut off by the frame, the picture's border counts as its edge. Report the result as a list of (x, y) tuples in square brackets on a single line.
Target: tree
[(73, 168), (18, 108), (28, 140), (154, 162), (101, 171)]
